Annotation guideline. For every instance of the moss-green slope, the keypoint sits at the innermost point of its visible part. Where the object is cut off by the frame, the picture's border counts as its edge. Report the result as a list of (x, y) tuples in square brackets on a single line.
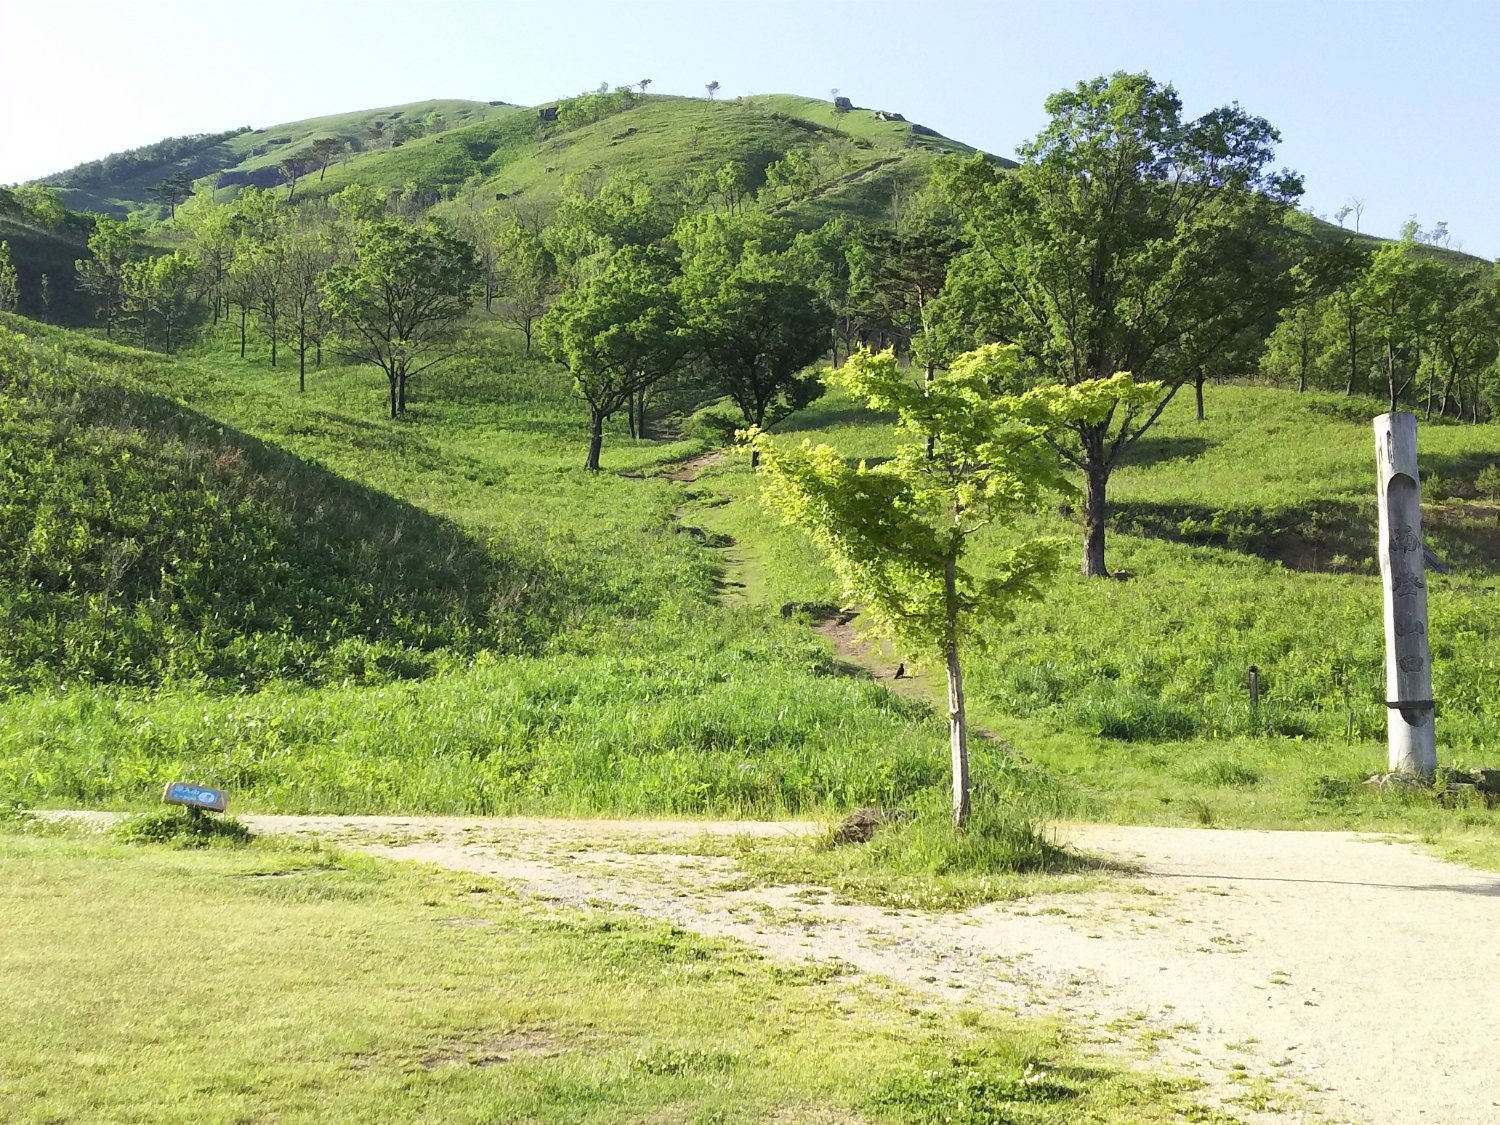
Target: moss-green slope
[(863, 158), (262, 149), (154, 543)]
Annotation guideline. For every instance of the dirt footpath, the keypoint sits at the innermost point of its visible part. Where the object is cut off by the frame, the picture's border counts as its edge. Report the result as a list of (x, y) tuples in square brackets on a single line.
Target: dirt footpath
[(1304, 976)]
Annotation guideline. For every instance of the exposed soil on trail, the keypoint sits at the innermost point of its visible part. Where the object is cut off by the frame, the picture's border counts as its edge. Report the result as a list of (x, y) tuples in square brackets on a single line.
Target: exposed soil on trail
[(685, 472), (1302, 976)]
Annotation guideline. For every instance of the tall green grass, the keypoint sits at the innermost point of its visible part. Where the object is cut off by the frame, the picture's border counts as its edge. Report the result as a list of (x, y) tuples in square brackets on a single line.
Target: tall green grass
[(700, 716)]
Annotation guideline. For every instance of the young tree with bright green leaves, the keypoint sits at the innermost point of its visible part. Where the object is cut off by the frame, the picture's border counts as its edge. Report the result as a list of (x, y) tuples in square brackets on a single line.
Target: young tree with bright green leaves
[(212, 235), (260, 267), (898, 535), (526, 275), (400, 297), (161, 297), (1297, 347), (617, 333), (307, 254), (112, 243), (1129, 239)]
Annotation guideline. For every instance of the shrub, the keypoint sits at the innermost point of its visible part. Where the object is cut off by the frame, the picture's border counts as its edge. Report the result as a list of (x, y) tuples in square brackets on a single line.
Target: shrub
[(182, 828)]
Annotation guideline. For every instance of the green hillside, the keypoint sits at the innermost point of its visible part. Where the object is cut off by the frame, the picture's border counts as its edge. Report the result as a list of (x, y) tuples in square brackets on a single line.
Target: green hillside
[(119, 185), (286, 593), (1247, 538), (157, 544), (498, 149), (447, 613)]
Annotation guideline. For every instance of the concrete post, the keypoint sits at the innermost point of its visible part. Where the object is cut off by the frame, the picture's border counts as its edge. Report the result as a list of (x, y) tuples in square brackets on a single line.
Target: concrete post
[(1408, 663)]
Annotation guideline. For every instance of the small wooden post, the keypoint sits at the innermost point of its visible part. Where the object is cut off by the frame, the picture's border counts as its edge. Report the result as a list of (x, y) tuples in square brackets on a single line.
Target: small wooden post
[(1254, 690), (1408, 663)]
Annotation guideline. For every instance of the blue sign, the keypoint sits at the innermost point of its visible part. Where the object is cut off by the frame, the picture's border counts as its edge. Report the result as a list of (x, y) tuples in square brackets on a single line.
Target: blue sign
[(196, 796)]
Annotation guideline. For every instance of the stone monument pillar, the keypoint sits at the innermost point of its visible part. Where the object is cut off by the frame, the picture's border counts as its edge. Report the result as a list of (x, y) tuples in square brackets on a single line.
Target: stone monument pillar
[(1408, 659)]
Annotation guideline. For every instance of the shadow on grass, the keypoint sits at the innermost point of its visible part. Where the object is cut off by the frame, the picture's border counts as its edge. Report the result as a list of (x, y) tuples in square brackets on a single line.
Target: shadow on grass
[(1329, 537), (1333, 536), (821, 418), (1158, 449)]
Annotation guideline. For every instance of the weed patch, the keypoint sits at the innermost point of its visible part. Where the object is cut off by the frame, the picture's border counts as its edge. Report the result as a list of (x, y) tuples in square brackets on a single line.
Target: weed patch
[(181, 828)]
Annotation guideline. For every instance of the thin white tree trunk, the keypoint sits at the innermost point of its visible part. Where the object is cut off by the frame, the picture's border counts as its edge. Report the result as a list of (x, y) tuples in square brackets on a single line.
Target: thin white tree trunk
[(1408, 663), (958, 728)]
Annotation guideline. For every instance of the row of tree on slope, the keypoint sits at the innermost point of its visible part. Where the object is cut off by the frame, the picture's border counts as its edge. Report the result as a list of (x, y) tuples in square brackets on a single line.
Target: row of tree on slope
[(1129, 240)]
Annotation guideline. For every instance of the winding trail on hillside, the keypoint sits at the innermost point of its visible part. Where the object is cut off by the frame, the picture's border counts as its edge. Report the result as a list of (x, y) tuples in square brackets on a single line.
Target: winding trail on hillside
[(1302, 976)]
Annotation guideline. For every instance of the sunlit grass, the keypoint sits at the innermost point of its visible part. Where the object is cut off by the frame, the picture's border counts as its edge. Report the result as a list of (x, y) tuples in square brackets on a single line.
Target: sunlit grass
[(155, 985)]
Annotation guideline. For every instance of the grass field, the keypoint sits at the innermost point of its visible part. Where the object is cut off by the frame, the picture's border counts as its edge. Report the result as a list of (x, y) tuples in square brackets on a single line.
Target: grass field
[(147, 984)]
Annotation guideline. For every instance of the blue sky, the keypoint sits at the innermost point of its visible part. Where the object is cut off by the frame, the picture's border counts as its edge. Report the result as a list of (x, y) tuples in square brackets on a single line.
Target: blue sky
[(1393, 103)]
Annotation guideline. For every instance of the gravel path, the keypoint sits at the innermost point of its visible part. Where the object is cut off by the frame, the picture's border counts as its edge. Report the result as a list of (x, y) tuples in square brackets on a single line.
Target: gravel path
[(1304, 976)]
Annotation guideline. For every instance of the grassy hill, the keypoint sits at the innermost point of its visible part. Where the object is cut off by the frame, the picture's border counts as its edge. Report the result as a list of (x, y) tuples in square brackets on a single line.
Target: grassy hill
[(284, 593), (494, 148), (443, 613), (129, 189), (159, 545)]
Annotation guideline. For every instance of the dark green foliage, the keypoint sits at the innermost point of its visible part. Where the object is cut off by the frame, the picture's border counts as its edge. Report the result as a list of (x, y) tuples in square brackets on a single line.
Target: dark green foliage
[(397, 299), (617, 334), (41, 249), (136, 161), (154, 544), (1130, 239), (753, 315)]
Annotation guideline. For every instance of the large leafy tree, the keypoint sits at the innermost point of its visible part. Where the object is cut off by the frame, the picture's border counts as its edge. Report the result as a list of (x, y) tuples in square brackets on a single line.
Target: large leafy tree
[(753, 311), (1128, 240), (899, 534), (1399, 295), (1465, 337), (112, 244), (618, 333), (588, 226), (399, 298)]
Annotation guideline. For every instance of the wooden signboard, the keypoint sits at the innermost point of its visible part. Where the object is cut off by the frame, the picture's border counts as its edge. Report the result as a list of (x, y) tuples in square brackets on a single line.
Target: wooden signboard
[(196, 796)]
